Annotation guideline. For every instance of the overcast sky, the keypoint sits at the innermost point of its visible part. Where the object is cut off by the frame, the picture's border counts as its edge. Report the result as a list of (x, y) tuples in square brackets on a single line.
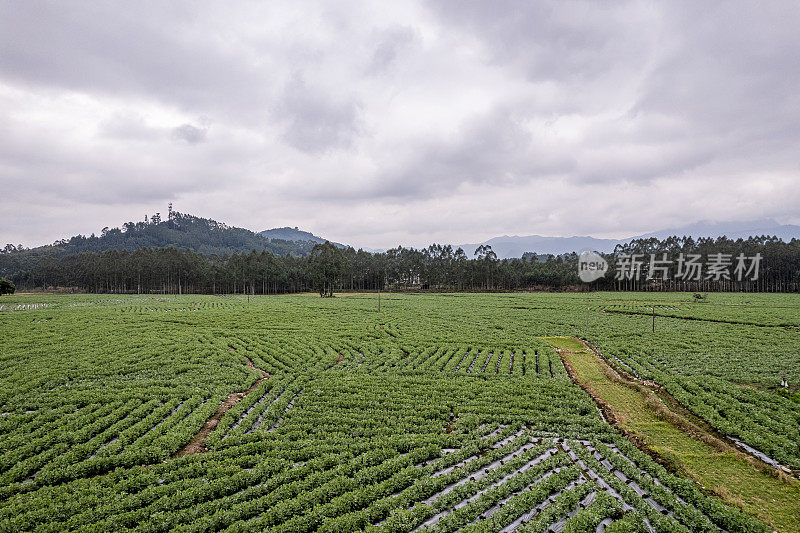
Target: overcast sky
[(384, 123)]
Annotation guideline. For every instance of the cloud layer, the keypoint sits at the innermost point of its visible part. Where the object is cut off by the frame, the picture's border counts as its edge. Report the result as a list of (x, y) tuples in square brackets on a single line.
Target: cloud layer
[(380, 124)]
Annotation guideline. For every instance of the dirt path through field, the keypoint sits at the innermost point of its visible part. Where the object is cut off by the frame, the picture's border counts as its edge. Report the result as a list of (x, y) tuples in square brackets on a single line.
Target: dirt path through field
[(647, 314), (198, 443), (685, 446)]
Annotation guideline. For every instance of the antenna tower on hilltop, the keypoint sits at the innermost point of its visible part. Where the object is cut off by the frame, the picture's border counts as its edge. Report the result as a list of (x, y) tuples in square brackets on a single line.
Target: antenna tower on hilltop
[(169, 211)]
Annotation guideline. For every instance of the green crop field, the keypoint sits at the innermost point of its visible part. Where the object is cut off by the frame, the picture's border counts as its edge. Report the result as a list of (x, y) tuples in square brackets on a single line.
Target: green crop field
[(445, 412)]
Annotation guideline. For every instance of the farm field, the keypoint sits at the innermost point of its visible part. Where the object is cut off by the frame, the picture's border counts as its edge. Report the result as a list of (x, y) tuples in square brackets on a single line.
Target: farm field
[(449, 412)]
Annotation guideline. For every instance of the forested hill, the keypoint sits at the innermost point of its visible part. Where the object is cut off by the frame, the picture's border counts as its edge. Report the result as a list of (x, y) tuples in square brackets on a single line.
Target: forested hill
[(294, 234), (290, 234), (201, 235)]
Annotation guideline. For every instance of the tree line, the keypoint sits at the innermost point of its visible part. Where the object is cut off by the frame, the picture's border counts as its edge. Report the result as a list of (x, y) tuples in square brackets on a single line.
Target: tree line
[(326, 269), (329, 268), (779, 268)]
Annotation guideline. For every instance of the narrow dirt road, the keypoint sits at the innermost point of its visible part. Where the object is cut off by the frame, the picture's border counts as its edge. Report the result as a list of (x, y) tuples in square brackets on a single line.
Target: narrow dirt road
[(682, 444), (198, 442)]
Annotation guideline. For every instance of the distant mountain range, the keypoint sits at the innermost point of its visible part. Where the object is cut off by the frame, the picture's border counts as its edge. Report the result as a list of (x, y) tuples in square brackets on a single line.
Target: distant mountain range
[(509, 246), (514, 245)]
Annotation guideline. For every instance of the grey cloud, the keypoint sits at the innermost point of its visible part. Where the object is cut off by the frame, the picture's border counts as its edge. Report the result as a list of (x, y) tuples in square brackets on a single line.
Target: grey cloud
[(731, 82), (316, 120), (131, 127), (734, 72), (389, 44), (492, 148), (93, 174), (190, 134), (128, 127), (552, 40), (401, 106), (720, 80), (125, 49)]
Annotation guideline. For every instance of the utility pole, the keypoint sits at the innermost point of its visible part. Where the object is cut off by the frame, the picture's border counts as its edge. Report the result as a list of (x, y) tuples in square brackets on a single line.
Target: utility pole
[(587, 314), (591, 267)]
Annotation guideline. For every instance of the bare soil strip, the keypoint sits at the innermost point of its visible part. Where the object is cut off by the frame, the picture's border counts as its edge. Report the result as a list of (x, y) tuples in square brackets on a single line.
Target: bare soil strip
[(264, 375), (198, 443)]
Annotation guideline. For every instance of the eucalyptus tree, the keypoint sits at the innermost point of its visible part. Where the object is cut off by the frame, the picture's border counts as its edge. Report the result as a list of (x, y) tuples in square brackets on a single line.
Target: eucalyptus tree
[(327, 265), (486, 255)]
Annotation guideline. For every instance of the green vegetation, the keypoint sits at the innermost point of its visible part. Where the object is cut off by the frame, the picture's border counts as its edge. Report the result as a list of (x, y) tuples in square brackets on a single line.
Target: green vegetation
[(183, 242), (6, 287), (327, 264), (294, 235), (448, 412), (171, 270), (187, 254), (722, 359), (719, 468)]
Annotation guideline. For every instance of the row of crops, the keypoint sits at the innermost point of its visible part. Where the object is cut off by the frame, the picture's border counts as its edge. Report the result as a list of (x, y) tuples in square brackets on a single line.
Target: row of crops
[(493, 478), (725, 365), (767, 422), (180, 305), (23, 307), (447, 414)]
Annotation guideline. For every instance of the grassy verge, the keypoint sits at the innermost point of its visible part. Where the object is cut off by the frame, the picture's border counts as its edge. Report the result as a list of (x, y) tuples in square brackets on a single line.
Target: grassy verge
[(685, 445)]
